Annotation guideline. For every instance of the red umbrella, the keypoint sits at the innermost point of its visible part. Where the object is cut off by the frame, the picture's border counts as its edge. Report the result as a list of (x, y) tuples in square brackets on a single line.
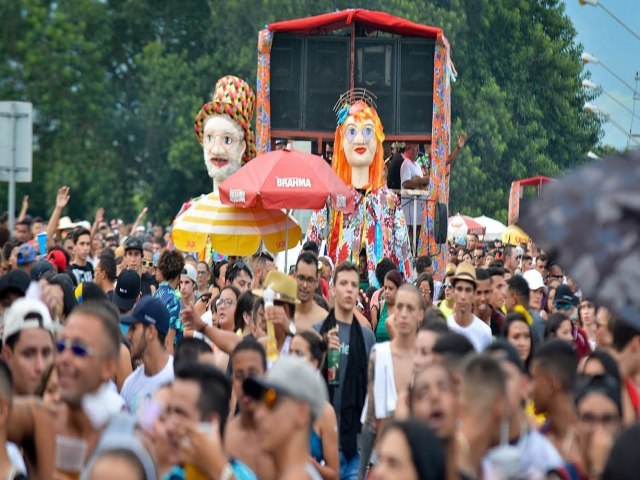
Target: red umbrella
[(287, 179)]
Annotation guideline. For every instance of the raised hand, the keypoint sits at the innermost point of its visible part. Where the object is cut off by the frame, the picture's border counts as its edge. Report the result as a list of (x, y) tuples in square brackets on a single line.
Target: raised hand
[(62, 199)]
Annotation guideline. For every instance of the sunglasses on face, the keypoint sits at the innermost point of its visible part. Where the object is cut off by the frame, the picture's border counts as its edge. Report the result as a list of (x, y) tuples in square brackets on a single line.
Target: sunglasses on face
[(271, 398), (564, 307), (147, 263), (78, 349), (448, 285)]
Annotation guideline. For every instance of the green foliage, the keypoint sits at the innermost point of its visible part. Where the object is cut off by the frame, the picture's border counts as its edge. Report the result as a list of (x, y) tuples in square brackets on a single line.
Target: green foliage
[(116, 85)]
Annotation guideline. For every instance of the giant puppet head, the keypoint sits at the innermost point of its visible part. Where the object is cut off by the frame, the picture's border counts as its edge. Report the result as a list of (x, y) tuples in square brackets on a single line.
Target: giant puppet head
[(358, 157), (223, 127)]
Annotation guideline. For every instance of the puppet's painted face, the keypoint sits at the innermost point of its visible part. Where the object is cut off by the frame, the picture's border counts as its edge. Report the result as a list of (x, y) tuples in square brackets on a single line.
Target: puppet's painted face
[(223, 146), (359, 141)]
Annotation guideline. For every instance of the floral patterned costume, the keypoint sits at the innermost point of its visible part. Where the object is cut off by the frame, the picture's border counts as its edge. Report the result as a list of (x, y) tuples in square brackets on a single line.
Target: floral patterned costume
[(377, 225)]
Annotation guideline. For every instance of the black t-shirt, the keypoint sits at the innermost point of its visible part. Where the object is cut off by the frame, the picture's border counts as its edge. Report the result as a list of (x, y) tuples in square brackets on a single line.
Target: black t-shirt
[(393, 175), (81, 274), (145, 283)]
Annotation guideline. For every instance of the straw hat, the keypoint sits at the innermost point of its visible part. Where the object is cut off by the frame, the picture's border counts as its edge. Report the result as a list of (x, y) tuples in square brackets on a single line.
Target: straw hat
[(285, 287), (65, 223), (232, 96), (466, 272)]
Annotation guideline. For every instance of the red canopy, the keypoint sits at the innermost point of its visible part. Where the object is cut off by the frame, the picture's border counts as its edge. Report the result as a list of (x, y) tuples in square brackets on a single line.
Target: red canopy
[(373, 19), (534, 181)]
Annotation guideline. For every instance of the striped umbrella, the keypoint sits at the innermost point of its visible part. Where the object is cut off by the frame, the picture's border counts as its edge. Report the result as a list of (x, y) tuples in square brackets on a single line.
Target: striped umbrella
[(233, 230)]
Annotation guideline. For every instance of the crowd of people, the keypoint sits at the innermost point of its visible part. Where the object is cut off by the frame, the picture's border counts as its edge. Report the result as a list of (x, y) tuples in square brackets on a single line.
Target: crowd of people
[(122, 358)]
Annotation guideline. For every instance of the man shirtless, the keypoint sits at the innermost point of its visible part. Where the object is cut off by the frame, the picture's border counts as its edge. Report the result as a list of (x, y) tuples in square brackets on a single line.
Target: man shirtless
[(241, 439), (395, 356), (308, 311)]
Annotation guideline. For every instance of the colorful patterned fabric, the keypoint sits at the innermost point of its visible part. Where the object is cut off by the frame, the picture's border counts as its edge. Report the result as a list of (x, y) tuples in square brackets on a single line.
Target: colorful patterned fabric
[(234, 97), (263, 115), (443, 74), (171, 299), (377, 225)]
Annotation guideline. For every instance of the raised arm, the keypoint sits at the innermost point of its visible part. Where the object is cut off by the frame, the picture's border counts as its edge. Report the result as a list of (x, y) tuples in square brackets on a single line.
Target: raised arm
[(94, 228), (24, 209), (62, 199), (139, 218)]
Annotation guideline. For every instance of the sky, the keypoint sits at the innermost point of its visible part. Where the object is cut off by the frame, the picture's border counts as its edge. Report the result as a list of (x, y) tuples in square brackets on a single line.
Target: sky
[(615, 47)]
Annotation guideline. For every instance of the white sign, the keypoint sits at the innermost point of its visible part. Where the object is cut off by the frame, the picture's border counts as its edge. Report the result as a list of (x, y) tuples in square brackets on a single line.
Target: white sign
[(16, 132)]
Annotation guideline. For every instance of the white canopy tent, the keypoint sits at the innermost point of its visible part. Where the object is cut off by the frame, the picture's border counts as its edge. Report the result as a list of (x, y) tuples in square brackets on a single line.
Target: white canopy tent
[(493, 227)]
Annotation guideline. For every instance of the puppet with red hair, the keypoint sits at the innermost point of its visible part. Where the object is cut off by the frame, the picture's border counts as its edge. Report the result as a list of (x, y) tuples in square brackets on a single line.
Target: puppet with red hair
[(377, 224)]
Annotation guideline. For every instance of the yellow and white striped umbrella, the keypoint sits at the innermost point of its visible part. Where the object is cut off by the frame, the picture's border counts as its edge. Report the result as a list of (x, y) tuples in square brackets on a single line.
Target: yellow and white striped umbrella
[(233, 230)]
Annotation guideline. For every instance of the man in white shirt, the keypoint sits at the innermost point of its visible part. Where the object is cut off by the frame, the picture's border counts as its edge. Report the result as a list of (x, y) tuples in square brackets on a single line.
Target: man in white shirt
[(148, 327), (463, 320), (412, 177)]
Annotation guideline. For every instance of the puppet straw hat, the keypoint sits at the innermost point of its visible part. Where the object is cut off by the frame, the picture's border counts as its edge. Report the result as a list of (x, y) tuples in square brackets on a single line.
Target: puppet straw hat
[(232, 96), (284, 287)]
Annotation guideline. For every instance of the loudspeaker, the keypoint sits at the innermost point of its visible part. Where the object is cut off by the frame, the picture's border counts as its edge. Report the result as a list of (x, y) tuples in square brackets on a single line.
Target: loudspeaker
[(309, 73), (440, 223)]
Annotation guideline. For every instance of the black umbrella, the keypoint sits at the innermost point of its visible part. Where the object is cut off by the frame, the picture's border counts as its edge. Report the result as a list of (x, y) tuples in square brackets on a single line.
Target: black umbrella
[(589, 221)]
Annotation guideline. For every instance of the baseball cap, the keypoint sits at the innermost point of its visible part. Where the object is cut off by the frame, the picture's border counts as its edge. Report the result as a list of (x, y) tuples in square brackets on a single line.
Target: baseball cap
[(127, 289), (15, 280), (293, 377), (564, 296), (534, 279), (58, 259), (150, 311), (133, 243), (26, 254), (24, 314), (40, 268), (189, 272)]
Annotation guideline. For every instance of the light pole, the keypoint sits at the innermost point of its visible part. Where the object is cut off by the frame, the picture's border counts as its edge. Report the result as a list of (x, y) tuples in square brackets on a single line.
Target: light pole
[(588, 58), (591, 108), (596, 3), (592, 86)]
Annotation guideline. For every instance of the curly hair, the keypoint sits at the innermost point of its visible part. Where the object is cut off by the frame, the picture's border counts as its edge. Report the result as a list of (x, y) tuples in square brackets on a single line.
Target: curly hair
[(170, 264)]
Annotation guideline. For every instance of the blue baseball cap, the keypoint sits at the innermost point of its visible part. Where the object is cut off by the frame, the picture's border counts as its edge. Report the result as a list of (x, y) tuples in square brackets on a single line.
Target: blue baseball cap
[(150, 311)]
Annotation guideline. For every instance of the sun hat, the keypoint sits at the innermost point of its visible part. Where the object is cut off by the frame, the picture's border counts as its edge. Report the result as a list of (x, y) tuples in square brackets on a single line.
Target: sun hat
[(284, 287), (234, 97), (65, 223), (466, 272)]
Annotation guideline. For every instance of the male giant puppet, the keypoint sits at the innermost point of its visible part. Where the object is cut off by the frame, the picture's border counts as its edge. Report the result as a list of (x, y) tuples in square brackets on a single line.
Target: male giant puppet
[(223, 128), (377, 225)]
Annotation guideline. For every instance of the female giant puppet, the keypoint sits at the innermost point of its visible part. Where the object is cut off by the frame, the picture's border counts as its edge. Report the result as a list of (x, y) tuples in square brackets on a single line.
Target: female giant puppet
[(377, 224)]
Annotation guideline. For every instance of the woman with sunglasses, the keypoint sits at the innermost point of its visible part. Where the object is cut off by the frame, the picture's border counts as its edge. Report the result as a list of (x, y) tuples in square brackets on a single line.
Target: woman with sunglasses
[(323, 442), (446, 295)]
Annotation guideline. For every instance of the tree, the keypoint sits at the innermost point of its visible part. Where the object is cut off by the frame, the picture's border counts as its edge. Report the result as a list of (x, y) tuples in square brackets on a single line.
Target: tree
[(116, 85)]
